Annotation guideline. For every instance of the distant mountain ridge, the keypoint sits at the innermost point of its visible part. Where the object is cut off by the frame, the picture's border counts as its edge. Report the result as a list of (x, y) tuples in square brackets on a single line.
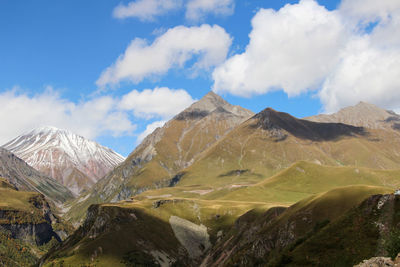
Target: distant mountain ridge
[(363, 114), (73, 160), (23, 177)]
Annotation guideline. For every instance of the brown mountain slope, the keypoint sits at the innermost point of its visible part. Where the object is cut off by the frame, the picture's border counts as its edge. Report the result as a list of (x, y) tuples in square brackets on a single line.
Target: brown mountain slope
[(271, 141), (157, 160)]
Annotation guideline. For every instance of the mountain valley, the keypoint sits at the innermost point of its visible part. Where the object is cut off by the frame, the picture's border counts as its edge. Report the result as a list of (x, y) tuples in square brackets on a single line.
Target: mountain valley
[(218, 186)]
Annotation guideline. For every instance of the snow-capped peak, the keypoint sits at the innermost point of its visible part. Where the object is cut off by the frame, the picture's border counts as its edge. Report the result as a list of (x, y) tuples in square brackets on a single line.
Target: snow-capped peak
[(61, 153)]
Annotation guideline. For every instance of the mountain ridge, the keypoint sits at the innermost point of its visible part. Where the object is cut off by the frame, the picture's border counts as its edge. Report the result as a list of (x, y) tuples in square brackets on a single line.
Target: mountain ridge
[(24, 177), (363, 114)]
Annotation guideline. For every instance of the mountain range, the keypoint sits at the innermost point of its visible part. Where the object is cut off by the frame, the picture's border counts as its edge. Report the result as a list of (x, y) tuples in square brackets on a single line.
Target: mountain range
[(218, 185)]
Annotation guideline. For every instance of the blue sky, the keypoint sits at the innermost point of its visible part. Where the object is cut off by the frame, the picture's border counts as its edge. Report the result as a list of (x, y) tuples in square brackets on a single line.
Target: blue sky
[(54, 56)]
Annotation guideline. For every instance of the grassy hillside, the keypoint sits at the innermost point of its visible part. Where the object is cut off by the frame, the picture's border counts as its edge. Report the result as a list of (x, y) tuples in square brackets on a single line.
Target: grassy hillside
[(299, 181), (141, 233), (366, 231), (261, 239), (208, 153), (18, 205), (269, 143), (218, 208), (28, 228)]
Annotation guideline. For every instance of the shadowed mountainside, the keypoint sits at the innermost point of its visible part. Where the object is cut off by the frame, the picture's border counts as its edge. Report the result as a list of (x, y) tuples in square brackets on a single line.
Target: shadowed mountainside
[(24, 177)]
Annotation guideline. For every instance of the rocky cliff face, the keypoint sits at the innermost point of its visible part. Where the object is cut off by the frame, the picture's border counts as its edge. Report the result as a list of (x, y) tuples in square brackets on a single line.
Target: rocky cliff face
[(32, 223), (24, 177), (70, 159)]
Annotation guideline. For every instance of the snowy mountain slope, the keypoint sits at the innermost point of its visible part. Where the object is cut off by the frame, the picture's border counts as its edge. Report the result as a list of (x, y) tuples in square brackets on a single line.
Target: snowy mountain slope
[(70, 159)]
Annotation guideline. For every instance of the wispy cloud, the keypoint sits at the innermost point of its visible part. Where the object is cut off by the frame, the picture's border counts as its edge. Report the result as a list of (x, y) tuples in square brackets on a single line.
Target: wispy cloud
[(196, 10), (146, 10)]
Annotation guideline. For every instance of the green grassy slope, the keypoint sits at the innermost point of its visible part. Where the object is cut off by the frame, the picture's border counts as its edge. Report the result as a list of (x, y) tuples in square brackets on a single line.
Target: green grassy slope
[(267, 144), (304, 182), (366, 231), (262, 239), (299, 181)]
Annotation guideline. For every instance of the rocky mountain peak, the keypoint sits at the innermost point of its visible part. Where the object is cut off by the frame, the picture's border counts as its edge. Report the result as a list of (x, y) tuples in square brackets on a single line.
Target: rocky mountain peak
[(209, 102), (363, 114), (212, 103)]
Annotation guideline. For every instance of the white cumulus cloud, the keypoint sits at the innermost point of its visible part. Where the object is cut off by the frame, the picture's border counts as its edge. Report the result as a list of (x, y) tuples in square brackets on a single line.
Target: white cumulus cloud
[(366, 11), (347, 55), (198, 9), (146, 10), (92, 118), (368, 70), (293, 49), (21, 112), (173, 49), (159, 102)]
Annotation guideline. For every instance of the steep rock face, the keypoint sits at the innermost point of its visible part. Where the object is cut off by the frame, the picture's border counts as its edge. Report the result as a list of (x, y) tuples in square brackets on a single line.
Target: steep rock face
[(69, 158), (24, 177), (363, 114), (38, 234), (157, 161)]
